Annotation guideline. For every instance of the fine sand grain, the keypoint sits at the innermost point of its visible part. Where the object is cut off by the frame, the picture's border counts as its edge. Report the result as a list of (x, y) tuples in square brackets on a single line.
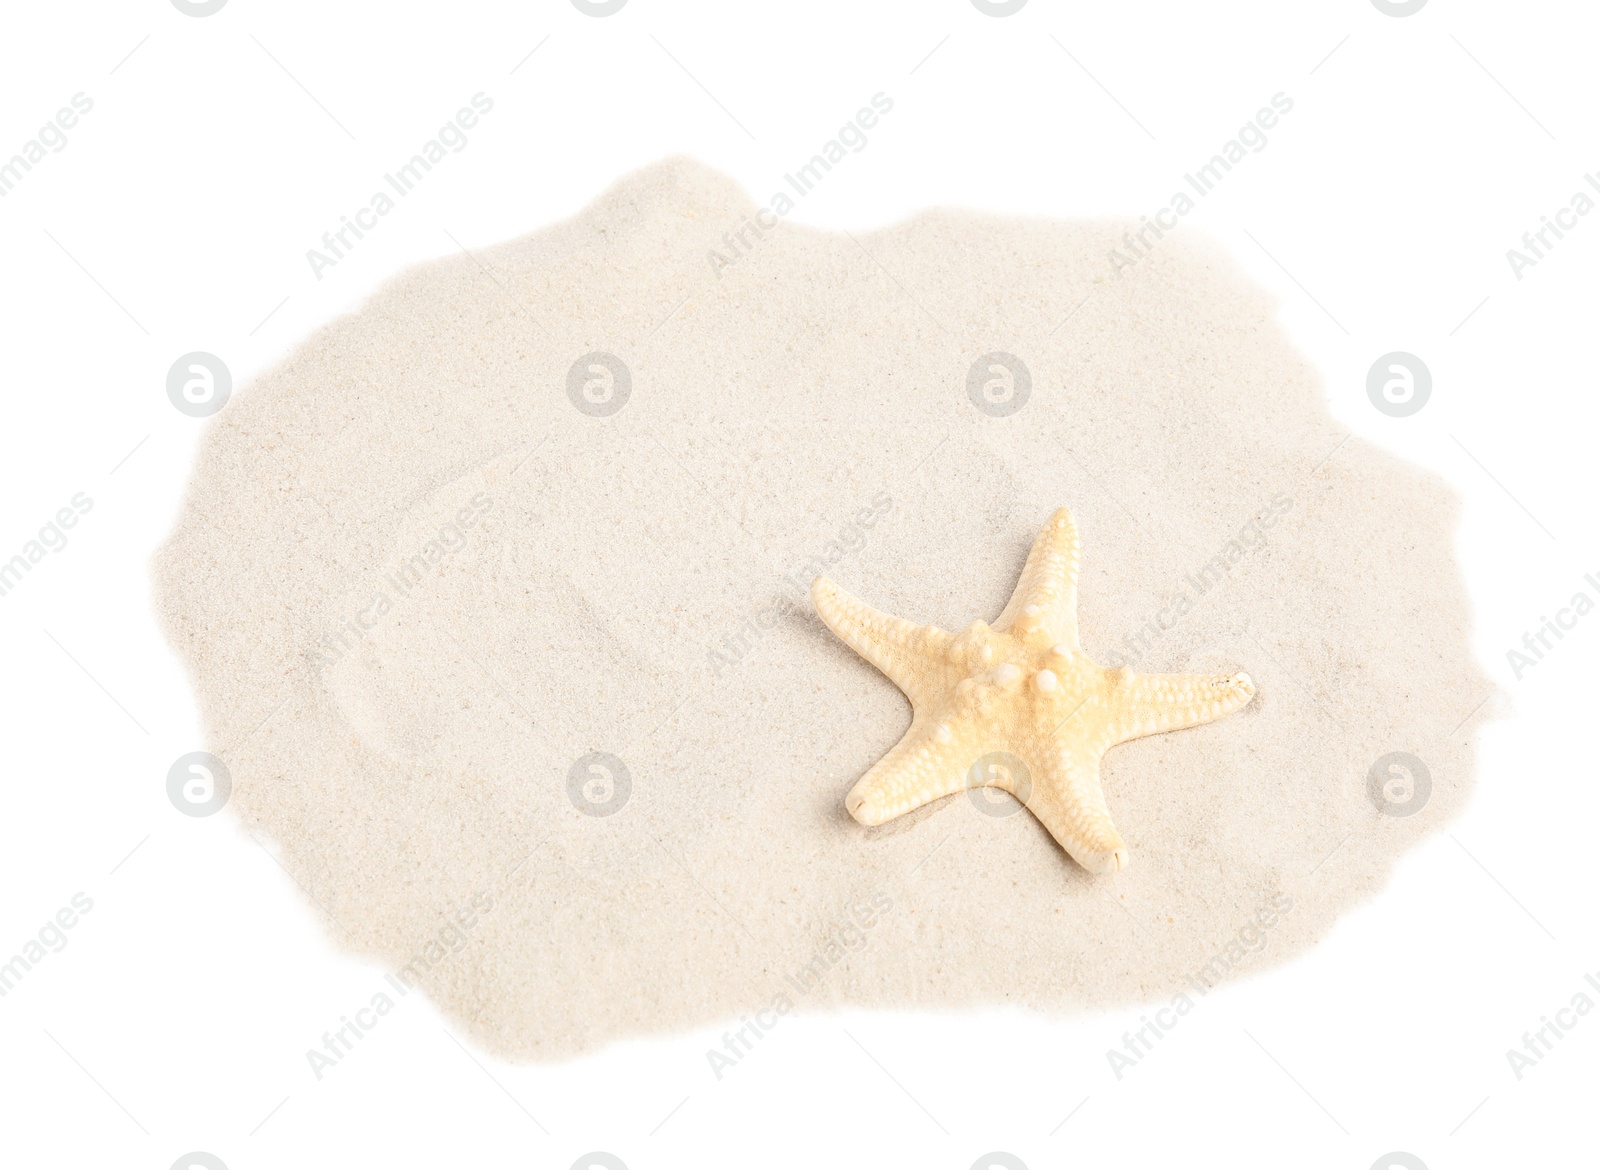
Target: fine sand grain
[(447, 586)]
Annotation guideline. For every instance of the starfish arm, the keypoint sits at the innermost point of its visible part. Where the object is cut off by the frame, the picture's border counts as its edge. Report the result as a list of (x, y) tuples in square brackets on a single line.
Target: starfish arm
[(1049, 584), (911, 656), (1147, 704), (1065, 795), (925, 765)]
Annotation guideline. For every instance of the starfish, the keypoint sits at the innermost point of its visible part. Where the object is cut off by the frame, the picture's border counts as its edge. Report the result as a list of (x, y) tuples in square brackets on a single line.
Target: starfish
[(1018, 706)]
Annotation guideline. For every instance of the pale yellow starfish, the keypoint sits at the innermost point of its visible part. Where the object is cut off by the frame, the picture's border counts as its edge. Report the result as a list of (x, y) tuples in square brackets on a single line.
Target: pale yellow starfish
[(1018, 707)]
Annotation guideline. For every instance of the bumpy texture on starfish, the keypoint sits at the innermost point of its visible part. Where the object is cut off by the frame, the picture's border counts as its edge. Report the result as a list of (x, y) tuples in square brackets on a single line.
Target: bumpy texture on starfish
[(1019, 706)]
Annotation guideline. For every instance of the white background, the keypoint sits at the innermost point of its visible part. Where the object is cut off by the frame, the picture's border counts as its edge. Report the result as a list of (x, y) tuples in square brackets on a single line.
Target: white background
[(177, 218)]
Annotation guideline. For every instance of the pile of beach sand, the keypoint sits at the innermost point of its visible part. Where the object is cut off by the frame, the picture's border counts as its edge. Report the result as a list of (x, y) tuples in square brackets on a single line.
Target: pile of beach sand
[(512, 564)]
